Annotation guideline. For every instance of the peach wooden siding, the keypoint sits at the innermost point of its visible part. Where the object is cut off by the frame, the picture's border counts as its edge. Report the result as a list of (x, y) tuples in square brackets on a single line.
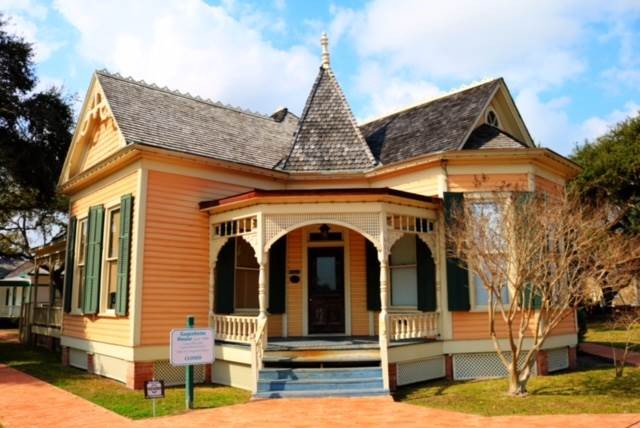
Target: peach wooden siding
[(294, 291), (487, 182), (176, 253), (566, 326), (274, 325), (102, 329), (548, 186), (106, 142), (358, 278), (475, 326)]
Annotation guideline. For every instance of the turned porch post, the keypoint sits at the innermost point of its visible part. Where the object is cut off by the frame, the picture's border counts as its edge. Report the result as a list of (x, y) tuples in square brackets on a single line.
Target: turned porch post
[(383, 320), (262, 287)]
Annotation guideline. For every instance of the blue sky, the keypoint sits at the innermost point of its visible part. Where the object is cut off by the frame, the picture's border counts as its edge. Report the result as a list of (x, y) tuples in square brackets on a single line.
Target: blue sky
[(573, 67)]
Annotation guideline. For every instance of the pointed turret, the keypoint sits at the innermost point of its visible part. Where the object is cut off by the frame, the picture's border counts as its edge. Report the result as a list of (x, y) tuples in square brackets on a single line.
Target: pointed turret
[(328, 137)]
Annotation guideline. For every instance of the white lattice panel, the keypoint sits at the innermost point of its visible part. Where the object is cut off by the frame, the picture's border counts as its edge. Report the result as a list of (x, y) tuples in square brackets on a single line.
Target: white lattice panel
[(418, 371), (557, 359), (481, 365), (368, 223), (78, 359), (175, 375)]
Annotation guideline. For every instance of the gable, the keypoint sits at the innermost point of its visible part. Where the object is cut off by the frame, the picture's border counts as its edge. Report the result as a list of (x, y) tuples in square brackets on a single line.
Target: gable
[(510, 121), (96, 137)]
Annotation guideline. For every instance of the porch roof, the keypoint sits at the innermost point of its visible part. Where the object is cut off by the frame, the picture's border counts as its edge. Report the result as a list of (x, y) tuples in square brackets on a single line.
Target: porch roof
[(382, 194)]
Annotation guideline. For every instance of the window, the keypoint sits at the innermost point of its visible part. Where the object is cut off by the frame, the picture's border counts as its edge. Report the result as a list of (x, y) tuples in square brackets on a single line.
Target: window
[(492, 119), (111, 257), (81, 253), (247, 271), (489, 237), (404, 276)]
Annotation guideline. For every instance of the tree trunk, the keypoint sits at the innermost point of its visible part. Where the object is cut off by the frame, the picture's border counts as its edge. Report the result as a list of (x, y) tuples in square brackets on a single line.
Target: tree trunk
[(517, 385)]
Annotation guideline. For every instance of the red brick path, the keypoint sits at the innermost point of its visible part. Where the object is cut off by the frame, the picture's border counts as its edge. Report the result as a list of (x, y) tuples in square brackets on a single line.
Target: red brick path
[(633, 358), (29, 402)]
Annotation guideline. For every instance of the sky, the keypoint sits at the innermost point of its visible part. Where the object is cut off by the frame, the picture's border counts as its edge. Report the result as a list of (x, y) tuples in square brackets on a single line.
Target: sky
[(572, 66)]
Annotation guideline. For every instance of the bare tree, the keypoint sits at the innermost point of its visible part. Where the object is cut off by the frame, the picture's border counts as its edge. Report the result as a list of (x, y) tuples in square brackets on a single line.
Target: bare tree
[(531, 256), (627, 320)]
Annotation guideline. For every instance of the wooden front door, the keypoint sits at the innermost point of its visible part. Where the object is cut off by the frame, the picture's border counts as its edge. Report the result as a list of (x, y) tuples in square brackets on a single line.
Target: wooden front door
[(326, 290)]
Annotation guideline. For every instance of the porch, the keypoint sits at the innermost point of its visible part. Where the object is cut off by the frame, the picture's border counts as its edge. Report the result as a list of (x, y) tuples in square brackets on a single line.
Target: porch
[(324, 278)]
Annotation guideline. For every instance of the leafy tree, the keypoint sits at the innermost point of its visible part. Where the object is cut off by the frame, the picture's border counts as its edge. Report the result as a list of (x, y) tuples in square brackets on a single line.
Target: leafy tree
[(35, 132), (611, 173)]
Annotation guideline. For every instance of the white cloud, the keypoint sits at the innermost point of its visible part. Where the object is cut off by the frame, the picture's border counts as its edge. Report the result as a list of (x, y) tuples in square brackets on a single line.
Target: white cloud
[(596, 126), (194, 47), (25, 20)]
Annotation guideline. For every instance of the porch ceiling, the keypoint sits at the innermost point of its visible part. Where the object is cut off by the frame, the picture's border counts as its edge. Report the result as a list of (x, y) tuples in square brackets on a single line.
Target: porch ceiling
[(259, 196)]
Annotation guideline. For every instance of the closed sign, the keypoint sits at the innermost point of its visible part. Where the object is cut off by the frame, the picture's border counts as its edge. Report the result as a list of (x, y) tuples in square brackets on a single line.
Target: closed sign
[(154, 389), (191, 346)]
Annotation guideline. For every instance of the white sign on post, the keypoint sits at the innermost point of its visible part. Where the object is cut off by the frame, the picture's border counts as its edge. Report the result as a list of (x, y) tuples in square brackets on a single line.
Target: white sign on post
[(191, 346)]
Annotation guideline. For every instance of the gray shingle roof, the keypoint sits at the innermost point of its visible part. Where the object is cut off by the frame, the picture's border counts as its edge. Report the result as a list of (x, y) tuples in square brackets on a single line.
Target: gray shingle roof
[(488, 137), (162, 118), (328, 138), (436, 126)]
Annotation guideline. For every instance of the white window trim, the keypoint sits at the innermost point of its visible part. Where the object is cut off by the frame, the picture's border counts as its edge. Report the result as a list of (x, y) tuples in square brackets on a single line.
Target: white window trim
[(501, 199), (109, 208), (486, 118), (75, 308), (402, 308), (243, 311)]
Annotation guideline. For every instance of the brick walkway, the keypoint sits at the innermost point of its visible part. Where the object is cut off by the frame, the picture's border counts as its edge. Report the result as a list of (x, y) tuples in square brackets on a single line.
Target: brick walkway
[(28, 402), (602, 351)]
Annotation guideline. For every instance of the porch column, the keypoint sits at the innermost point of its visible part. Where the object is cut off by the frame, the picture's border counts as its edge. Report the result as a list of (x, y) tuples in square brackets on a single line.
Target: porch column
[(383, 320), (262, 287)]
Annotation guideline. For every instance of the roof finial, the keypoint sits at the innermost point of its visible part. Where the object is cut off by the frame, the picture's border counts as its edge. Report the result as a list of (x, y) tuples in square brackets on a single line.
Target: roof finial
[(324, 41)]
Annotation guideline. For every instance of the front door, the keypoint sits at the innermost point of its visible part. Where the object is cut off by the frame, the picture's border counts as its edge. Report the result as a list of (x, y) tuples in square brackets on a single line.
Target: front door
[(326, 290)]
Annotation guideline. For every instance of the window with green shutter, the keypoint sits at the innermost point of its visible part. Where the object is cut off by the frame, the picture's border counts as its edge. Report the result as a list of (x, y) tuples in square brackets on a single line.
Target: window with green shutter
[(124, 255), (457, 276), (93, 260), (277, 276), (426, 272), (69, 265)]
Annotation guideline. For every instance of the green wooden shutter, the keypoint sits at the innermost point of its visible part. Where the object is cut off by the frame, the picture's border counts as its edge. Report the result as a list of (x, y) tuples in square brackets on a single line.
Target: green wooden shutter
[(426, 272), (457, 275), (277, 276), (225, 278), (373, 276), (93, 262), (69, 263), (124, 254)]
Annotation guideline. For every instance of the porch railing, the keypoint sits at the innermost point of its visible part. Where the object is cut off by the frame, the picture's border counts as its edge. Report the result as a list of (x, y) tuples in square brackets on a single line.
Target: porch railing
[(413, 325), (46, 315), (233, 328), (10, 311)]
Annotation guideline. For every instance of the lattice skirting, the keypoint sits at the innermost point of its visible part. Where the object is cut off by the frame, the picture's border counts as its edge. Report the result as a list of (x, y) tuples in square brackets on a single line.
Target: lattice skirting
[(421, 370), (558, 359), (175, 375), (481, 365)]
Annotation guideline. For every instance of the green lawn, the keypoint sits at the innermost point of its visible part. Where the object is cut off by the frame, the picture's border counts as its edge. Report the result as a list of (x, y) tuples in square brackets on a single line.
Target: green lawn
[(108, 393), (592, 390), (603, 334)]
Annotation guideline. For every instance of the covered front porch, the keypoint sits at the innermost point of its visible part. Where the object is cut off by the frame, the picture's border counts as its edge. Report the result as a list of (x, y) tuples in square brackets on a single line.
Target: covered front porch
[(315, 278)]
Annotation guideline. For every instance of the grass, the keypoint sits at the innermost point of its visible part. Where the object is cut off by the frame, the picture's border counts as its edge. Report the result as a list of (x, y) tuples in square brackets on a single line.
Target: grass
[(590, 390), (603, 334), (108, 393)]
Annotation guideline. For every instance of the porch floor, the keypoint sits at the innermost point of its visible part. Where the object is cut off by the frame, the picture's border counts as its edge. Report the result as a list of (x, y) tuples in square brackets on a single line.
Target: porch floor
[(333, 343)]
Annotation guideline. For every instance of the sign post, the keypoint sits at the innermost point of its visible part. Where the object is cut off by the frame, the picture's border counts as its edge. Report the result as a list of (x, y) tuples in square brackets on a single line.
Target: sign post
[(191, 346), (188, 378), (153, 389)]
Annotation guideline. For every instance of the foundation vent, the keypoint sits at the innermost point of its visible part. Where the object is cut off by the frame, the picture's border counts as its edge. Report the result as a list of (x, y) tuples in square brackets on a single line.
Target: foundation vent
[(421, 370), (557, 359)]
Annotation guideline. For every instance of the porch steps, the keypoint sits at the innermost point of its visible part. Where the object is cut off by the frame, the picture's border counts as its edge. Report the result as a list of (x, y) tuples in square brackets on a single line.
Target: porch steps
[(310, 356), (320, 382)]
